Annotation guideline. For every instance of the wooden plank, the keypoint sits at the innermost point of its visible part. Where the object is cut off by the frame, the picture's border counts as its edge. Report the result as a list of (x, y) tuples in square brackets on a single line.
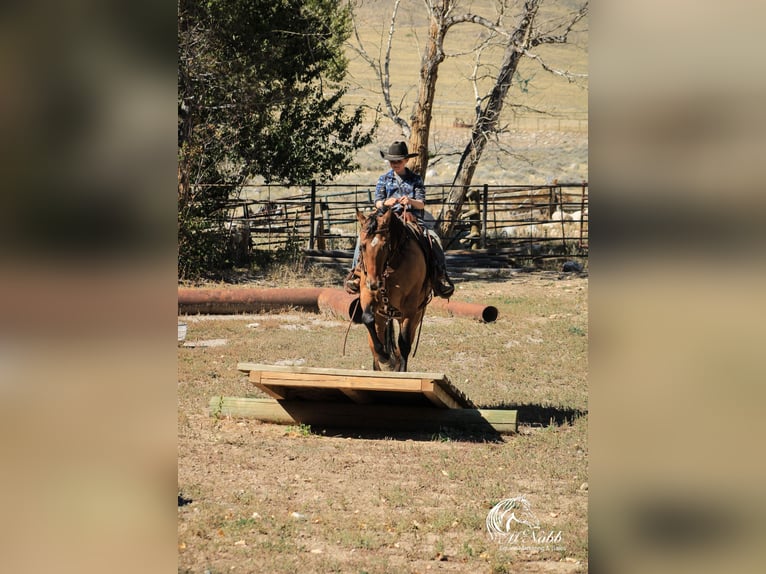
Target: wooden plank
[(380, 417), (275, 393), (255, 378), (341, 382), (248, 367), (359, 397), (438, 396)]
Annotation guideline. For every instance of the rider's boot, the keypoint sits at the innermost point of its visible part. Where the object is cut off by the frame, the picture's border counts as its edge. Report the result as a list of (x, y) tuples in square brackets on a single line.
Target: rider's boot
[(442, 284), (352, 281)]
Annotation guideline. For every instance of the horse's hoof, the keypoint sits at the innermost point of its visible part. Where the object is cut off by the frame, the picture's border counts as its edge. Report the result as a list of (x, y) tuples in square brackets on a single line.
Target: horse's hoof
[(388, 366)]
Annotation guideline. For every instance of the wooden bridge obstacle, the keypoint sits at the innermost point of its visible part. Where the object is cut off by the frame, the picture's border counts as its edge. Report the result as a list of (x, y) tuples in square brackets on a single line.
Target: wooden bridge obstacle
[(372, 400)]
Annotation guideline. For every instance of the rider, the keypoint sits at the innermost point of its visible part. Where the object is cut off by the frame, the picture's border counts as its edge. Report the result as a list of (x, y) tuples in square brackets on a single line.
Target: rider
[(398, 188)]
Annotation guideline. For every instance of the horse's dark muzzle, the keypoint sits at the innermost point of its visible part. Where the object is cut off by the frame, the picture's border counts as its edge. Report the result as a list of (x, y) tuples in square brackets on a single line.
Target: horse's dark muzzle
[(373, 285)]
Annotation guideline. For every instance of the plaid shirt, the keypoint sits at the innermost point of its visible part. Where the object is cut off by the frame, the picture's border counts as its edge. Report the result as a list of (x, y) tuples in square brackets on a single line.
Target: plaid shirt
[(391, 185)]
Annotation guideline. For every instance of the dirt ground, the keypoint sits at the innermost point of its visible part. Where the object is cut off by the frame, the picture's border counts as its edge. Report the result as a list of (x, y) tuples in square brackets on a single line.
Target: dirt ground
[(261, 497)]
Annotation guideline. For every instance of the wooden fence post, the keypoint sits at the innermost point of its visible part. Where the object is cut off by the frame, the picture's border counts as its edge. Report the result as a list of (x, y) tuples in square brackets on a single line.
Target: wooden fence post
[(484, 202), (313, 207)]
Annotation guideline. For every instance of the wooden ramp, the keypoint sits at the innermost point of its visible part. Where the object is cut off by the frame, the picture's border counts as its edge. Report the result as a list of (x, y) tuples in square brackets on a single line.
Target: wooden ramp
[(357, 386), (345, 398)]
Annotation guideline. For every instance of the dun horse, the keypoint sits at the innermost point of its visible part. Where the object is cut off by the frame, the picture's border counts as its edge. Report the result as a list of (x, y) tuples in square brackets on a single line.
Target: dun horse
[(394, 287)]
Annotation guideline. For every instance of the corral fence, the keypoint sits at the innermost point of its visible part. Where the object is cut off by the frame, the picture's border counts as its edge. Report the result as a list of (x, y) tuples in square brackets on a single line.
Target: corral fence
[(498, 225)]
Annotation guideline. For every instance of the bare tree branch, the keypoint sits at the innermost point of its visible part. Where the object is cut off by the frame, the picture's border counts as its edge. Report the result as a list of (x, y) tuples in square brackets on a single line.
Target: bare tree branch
[(561, 38), (382, 71), (570, 76), (476, 19)]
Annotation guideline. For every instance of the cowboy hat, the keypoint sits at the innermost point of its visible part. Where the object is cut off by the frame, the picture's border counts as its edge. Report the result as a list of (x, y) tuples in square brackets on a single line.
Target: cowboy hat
[(397, 151)]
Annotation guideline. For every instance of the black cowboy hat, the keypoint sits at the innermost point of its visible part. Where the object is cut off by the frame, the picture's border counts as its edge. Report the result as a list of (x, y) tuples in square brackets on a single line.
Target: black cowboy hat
[(397, 151)]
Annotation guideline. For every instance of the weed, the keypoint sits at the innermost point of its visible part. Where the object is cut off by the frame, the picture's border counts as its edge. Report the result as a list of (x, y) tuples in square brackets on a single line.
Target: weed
[(303, 430), (439, 546), (444, 435), (575, 330)]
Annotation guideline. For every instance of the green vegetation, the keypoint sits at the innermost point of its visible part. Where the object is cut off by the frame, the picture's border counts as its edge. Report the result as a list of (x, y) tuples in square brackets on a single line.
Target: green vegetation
[(259, 94)]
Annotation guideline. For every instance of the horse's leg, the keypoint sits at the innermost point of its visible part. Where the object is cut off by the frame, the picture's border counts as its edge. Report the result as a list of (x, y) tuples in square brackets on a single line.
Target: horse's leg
[(395, 363), (379, 353), (408, 335), (405, 343)]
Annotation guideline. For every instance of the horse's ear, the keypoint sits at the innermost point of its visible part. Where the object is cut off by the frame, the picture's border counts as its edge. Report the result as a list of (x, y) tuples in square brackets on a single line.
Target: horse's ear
[(360, 217)]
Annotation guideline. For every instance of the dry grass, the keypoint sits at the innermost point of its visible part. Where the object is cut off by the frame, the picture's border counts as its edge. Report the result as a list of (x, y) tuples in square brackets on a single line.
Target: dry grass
[(389, 502)]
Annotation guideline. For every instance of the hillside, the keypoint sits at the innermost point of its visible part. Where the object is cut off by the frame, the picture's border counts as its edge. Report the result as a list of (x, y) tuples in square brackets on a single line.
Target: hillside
[(537, 147)]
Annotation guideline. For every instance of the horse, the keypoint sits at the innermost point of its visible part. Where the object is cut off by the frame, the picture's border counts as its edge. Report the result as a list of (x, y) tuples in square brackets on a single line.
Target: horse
[(394, 285)]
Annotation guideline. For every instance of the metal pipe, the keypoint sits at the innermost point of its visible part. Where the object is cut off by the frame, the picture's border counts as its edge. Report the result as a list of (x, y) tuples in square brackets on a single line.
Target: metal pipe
[(228, 301), (340, 303), (484, 313)]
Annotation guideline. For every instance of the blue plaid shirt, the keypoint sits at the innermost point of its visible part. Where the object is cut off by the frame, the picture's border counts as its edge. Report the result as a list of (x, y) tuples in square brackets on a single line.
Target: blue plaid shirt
[(411, 184)]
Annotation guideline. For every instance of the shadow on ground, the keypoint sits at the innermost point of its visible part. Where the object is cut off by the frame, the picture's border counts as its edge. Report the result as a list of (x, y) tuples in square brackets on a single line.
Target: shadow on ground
[(538, 415)]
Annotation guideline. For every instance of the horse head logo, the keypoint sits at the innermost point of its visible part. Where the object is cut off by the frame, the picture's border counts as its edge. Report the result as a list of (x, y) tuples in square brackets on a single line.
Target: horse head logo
[(510, 514)]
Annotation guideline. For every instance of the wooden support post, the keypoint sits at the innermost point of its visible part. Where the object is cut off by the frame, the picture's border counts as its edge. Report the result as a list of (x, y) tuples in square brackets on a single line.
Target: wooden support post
[(378, 417)]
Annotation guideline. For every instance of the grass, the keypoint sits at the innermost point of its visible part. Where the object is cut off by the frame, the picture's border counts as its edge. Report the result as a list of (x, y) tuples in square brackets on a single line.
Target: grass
[(397, 501), (299, 430)]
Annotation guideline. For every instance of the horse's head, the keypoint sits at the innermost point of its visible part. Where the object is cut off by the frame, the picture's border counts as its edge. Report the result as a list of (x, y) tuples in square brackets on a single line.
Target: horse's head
[(378, 241)]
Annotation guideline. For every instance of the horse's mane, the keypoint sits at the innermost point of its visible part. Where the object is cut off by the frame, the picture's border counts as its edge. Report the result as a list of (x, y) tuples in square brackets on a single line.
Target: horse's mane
[(371, 225)]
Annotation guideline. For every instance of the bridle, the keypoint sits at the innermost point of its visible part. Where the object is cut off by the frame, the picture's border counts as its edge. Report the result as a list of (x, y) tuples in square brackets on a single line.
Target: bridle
[(394, 248), (386, 309)]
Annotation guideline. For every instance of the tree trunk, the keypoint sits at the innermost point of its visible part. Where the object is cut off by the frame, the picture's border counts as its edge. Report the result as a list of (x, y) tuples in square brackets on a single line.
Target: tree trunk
[(429, 71), (487, 121), (184, 136)]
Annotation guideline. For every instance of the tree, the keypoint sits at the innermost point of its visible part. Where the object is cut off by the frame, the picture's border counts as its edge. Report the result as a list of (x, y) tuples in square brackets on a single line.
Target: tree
[(518, 41), (259, 94)]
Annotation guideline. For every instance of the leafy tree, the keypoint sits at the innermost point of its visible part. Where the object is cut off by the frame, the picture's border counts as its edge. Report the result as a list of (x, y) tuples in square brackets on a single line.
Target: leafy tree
[(259, 94)]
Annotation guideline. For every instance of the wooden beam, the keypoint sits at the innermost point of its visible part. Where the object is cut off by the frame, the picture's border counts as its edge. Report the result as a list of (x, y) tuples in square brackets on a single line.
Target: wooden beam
[(438, 396), (359, 397), (255, 378), (248, 367), (328, 381), (366, 416)]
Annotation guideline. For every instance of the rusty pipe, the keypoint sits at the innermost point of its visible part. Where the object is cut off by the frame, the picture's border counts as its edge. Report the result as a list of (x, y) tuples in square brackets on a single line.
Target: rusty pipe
[(228, 301), (484, 313), (340, 303), (253, 300)]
